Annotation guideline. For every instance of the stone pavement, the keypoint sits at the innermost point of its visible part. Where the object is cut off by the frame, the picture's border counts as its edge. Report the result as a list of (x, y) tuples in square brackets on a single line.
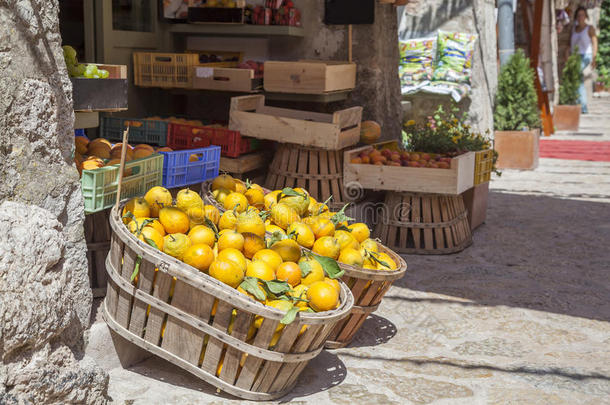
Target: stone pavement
[(520, 317)]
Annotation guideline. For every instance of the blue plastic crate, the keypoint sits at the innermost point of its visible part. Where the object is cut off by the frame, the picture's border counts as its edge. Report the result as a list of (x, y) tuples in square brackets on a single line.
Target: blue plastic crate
[(178, 171), (151, 132)]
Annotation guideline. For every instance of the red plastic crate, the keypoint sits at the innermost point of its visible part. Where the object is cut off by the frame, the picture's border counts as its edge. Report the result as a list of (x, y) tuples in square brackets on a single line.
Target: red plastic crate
[(232, 144)]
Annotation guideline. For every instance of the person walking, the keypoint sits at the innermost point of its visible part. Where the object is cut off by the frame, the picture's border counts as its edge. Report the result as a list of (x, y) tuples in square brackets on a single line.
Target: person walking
[(584, 40)]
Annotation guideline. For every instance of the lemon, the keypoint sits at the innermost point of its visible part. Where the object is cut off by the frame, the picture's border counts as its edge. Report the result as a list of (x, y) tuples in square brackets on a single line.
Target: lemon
[(255, 197), (174, 220), (235, 256), (300, 291), (221, 194), (231, 239), (236, 201), (304, 235), (250, 222), (271, 199), (152, 234), (240, 187), (176, 245), (274, 228), (157, 198), (186, 199), (360, 231), (252, 244), (322, 296), (228, 220), (384, 257), (261, 270), (137, 224), (201, 234), (284, 215), (316, 271), (323, 227), (351, 257), (346, 240), (327, 246), (224, 181), (272, 258), (199, 256), (288, 249), (138, 207)]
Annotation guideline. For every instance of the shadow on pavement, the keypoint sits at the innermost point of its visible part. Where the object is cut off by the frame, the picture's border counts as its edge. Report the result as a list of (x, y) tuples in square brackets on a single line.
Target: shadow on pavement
[(375, 330), (534, 252)]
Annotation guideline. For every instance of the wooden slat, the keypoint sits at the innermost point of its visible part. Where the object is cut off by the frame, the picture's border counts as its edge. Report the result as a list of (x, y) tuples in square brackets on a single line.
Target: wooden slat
[(314, 168), (416, 217), (324, 186), (89, 234), (269, 373), (180, 338), (405, 214), (102, 234), (449, 237), (436, 217), (302, 345), (154, 325), (116, 253), (292, 167), (365, 299), (125, 300), (253, 364), (303, 167), (215, 346), (353, 322), (233, 356), (334, 168), (284, 150), (138, 314), (395, 201)]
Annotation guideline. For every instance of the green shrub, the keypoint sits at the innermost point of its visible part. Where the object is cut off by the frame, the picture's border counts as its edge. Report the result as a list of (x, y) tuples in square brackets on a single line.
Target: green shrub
[(570, 81), (603, 52), (516, 105)]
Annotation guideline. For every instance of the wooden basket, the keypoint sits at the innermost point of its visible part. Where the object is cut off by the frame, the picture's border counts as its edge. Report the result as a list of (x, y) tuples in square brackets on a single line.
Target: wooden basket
[(202, 325), (415, 223), (318, 171), (368, 288), (97, 236)]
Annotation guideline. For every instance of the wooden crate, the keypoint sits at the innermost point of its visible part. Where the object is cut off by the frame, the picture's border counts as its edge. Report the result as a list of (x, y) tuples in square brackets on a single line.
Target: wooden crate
[(97, 236), (476, 200), (309, 76), (454, 181), (202, 325), (106, 95), (483, 165), (416, 223), (174, 70), (225, 79), (252, 117), (318, 171), (368, 288)]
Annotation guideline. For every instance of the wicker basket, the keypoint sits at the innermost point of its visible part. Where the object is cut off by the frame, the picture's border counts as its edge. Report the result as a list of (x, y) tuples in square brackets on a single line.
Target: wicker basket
[(202, 325), (368, 288), (427, 224)]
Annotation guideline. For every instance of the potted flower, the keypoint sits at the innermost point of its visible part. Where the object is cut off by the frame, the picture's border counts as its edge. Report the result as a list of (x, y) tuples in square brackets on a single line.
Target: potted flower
[(566, 115), (516, 116)]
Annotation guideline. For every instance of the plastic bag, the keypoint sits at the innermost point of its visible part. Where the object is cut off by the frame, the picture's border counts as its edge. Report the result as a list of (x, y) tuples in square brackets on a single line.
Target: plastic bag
[(416, 60), (456, 51)]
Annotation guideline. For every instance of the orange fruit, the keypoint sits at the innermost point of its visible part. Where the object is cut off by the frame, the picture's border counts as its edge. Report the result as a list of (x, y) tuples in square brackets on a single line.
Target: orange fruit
[(289, 272), (260, 269), (351, 257), (255, 197), (304, 235), (138, 207), (211, 213), (346, 240), (300, 291), (252, 244), (288, 249), (201, 234), (176, 245), (140, 153), (334, 282), (174, 220), (322, 296), (360, 231), (115, 151), (227, 272), (272, 258), (81, 143), (228, 220), (92, 164), (137, 223), (199, 256)]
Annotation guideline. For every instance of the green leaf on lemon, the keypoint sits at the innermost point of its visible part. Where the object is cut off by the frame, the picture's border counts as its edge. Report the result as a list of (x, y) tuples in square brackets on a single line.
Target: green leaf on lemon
[(305, 268), (330, 266), (290, 315), (250, 285), (136, 269)]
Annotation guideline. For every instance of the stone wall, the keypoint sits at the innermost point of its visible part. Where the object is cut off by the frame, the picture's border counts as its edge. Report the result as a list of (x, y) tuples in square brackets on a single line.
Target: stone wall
[(375, 51), (424, 18), (45, 299)]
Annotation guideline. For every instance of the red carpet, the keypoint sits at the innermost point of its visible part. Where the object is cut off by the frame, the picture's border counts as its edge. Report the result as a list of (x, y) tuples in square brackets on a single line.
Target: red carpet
[(575, 150)]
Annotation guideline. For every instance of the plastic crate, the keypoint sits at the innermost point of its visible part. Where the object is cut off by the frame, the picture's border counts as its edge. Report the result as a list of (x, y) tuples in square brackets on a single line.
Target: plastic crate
[(100, 185), (178, 171), (482, 166), (152, 132), (232, 144)]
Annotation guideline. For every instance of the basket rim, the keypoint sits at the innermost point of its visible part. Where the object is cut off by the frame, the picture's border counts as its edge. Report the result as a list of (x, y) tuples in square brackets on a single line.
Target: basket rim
[(197, 279)]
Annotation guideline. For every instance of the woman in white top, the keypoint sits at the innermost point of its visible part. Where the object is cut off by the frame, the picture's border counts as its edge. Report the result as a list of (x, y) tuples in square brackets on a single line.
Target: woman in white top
[(584, 39)]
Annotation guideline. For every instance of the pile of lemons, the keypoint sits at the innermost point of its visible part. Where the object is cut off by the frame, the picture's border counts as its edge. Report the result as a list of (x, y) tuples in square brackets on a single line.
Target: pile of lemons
[(296, 215)]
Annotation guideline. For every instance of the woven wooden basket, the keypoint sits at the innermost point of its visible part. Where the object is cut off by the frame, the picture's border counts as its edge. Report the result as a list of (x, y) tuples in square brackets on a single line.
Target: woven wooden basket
[(204, 326), (368, 288)]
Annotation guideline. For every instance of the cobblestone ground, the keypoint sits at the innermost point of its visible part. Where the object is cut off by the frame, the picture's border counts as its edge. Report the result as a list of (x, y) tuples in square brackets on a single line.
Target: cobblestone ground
[(520, 317)]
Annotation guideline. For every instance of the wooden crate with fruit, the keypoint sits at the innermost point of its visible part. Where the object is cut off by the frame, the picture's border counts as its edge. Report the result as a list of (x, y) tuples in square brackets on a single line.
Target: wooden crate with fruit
[(336, 131), (384, 167)]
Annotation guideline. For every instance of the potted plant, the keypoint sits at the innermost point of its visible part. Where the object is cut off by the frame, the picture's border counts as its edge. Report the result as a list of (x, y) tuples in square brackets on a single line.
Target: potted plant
[(516, 116), (603, 81), (566, 115)]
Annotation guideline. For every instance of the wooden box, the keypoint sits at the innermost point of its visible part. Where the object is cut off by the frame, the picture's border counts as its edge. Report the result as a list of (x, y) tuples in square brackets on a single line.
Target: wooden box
[(108, 95), (225, 79), (251, 117), (475, 200), (453, 181), (309, 77)]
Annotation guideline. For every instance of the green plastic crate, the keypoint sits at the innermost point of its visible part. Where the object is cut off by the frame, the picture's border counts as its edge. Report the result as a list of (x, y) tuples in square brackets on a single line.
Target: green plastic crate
[(100, 185)]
